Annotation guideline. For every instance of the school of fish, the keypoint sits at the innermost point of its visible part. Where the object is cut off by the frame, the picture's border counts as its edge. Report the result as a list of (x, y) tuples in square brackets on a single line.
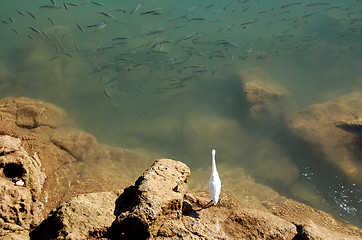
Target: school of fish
[(150, 47)]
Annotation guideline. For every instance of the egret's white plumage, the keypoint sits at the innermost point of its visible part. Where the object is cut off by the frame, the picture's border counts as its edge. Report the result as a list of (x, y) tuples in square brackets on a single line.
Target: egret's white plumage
[(215, 182)]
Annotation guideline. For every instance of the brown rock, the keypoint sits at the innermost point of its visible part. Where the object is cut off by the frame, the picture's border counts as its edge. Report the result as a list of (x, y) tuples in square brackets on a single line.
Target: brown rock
[(17, 165), (9, 144), (333, 129), (311, 231), (311, 222), (85, 216), (256, 224), (15, 208), (158, 191), (78, 144), (38, 113), (262, 93)]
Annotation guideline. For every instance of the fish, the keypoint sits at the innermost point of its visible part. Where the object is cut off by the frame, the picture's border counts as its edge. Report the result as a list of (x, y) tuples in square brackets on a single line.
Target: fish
[(317, 4), (246, 24), (98, 67), (121, 38), (53, 57), (76, 47), (126, 60), (154, 11), (35, 30), (196, 19), (51, 21), (67, 54), (210, 6), (49, 7), (14, 30), (80, 28), (98, 26), (32, 15), (105, 48), (135, 9), (178, 18), (107, 94), (160, 30), (73, 4), (106, 14), (21, 13), (290, 4), (194, 66), (97, 3)]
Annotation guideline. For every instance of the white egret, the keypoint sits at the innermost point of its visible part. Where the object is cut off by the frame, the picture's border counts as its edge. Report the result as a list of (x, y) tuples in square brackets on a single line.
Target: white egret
[(215, 182)]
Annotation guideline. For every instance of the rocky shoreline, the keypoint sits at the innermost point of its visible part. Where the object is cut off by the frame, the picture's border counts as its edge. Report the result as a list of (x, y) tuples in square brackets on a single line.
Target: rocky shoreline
[(47, 191)]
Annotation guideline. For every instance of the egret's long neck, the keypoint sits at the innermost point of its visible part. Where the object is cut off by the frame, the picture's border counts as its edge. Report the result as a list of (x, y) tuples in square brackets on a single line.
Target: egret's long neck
[(213, 161)]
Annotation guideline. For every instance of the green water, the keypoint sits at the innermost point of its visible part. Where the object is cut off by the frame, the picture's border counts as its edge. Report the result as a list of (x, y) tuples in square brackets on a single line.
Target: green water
[(170, 86)]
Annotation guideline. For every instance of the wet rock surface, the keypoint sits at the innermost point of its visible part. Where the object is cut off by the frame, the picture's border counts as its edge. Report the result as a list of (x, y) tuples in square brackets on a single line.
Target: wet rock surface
[(57, 182), (334, 130)]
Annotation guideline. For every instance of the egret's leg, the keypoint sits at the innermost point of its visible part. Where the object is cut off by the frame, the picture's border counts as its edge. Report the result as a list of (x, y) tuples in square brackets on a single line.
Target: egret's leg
[(207, 205)]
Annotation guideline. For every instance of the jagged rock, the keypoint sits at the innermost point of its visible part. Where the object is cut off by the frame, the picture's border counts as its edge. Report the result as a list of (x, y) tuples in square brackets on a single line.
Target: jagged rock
[(311, 231), (311, 222), (158, 191), (82, 217), (9, 144), (15, 208), (78, 164), (332, 129), (17, 165), (352, 125), (21, 181), (154, 207)]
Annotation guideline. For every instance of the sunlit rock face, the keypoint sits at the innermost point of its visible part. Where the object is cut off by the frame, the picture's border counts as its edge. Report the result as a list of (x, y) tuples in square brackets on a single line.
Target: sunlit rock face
[(21, 182), (47, 164), (333, 129), (45, 160)]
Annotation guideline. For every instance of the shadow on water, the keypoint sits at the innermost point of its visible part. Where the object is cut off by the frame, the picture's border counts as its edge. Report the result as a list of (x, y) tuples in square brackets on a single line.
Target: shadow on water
[(328, 188)]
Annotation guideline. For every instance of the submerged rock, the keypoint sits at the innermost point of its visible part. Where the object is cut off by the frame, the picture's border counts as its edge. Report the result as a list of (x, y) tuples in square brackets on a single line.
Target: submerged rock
[(334, 130), (263, 96)]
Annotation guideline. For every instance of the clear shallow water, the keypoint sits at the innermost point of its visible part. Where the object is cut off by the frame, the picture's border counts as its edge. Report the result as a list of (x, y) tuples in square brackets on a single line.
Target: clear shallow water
[(165, 81)]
